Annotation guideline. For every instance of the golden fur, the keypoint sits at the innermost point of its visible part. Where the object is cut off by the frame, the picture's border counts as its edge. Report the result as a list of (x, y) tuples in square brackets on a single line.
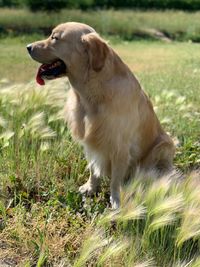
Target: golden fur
[(107, 111)]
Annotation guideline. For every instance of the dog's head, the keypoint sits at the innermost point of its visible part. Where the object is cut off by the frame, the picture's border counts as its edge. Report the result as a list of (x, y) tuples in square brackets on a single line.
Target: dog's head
[(70, 48)]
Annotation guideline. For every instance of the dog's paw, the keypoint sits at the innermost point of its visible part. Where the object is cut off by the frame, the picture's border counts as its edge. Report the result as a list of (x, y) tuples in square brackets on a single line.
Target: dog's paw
[(87, 189)]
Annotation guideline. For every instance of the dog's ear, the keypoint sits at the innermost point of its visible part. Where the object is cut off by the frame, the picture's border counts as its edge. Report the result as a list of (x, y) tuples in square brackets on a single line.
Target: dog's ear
[(97, 50)]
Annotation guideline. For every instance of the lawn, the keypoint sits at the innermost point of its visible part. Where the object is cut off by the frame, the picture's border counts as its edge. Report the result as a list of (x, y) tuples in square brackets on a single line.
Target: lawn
[(43, 219)]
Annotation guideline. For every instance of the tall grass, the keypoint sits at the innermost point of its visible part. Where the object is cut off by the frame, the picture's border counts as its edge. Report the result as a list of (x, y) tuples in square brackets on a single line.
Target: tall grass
[(158, 223), (39, 164), (127, 24), (33, 139), (44, 221), (45, 218)]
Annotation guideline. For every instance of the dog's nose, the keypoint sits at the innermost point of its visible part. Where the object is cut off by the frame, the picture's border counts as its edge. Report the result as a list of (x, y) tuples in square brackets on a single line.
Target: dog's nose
[(29, 48)]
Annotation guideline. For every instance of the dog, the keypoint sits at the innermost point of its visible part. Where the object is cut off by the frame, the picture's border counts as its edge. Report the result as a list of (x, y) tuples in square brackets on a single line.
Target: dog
[(107, 111)]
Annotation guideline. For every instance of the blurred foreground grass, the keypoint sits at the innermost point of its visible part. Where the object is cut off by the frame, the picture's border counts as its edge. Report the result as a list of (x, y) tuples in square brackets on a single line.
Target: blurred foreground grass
[(43, 219)]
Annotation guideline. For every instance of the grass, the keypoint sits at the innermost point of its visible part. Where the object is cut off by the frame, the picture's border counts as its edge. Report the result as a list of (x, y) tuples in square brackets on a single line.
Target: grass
[(44, 221), (15, 59), (128, 24)]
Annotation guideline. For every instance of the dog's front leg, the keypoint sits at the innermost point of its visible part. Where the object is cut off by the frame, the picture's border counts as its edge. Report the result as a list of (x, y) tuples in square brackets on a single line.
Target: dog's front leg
[(91, 186), (118, 172)]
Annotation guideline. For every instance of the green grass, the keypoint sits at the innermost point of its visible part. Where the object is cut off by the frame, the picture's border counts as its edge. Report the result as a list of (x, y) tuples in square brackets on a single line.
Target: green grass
[(44, 221), (16, 63), (128, 24)]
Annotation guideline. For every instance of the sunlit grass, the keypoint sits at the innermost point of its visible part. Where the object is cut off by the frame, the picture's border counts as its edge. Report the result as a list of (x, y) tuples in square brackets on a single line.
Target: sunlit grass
[(165, 227), (41, 164), (128, 24), (44, 221)]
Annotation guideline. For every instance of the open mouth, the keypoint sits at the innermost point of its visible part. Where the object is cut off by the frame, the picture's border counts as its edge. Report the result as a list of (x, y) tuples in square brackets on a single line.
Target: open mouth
[(51, 71)]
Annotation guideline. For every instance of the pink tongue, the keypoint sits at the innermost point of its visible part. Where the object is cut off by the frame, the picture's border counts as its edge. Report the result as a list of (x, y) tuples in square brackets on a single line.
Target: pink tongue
[(39, 79)]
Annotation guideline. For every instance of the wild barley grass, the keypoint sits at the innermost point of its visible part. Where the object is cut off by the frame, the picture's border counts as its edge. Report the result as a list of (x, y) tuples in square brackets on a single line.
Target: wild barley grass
[(168, 231), (45, 221), (40, 164)]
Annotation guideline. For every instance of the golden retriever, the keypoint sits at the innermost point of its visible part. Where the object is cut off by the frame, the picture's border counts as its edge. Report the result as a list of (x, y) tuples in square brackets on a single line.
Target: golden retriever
[(107, 111)]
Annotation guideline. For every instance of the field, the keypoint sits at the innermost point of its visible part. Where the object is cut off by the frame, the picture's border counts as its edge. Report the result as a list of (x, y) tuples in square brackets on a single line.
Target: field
[(175, 25), (44, 221)]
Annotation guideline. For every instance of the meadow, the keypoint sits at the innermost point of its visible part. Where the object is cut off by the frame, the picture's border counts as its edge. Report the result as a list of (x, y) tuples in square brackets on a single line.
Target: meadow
[(126, 24), (44, 221)]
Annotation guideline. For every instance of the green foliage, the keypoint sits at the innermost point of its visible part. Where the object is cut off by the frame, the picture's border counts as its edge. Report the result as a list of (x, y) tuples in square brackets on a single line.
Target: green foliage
[(47, 5), (160, 4), (85, 4), (55, 5), (12, 3)]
